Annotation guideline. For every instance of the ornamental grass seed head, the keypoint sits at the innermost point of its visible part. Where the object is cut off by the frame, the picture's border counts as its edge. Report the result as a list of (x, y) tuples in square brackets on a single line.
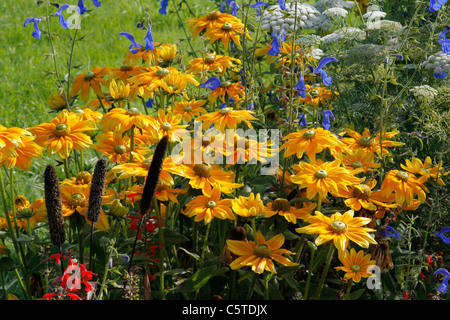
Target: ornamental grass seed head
[(53, 204)]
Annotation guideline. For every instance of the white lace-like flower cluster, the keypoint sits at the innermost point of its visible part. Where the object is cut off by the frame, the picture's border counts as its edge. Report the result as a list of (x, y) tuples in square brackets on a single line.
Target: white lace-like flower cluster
[(439, 62), (349, 33), (424, 93)]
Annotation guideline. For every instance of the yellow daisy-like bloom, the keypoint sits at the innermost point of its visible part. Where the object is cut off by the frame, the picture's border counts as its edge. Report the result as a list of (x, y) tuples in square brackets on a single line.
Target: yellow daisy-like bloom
[(340, 228), (123, 73), (231, 30), (361, 196), (197, 25), (64, 133), (227, 90), (404, 185), (311, 141), (316, 95), (56, 101), (27, 150), (207, 208), (321, 179), (89, 114), (116, 147), (169, 124), (94, 104), (27, 215), (92, 79), (11, 139), (426, 168), (371, 143), (259, 255), (212, 62), (175, 83), (165, 193), (290, 213), (165, 54), (360, 159), (148, 56), (189, 109), (356, 265), (121, 120), (208, 176), (226, 118), (119, 91), (246, 150), (250, 206), (76, 199)]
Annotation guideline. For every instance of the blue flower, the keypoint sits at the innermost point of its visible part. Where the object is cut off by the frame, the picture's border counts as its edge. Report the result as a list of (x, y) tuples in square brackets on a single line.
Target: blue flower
[(234, 6), (319, 70), (390, 232), (440, 75), (257, 5), (212, 83), (36, 33), (82, 7), (65, 24), (275, 45), (441, 234), (149, 103), (282, 4), (302, 120), (163, 9), (444, 286), (445, 43), (326, 119), (435, 5), (300, 86), (148, 41), (97, 3)]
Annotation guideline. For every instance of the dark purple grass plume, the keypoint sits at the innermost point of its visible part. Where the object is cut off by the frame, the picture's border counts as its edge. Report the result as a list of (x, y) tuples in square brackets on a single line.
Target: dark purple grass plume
[(97, 190), (54, 206)]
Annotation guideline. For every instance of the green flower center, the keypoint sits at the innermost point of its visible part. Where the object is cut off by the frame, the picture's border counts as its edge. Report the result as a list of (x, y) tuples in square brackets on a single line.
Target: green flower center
[(356, 164), (120, 149), (338, 226), (225, 111), (146, 164), (83, 177), (227, 26), (89, 76), (402, 175), (61, 129), (321, 174), (309, 134), (366, 141), (225, 84), (355, 268), (162, 72), (77, 199), (166, 126), (133, 112), (187, 109), (211, 204), (25, 213), (262, 250), (203, 170)]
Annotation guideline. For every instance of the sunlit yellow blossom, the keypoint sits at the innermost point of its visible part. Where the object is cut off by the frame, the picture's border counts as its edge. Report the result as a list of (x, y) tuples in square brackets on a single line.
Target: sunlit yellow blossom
[(240, 149), (311, 141), (64, 133), (321, 179), (404, 185), (125, 72), (226, 118), (368, 142), (25, 151), (165, 54), (57, 101), (340, 228), (92, 79), (356, 265), (360, 158), (250, 206), (259, 254), (230, 30), (316, 95), (285, 209), (189, 109), (205, 208), (205, 23), (116, 147), (212, 62), (121, 120), (119, 91), (27, 215), (169, 124), (426, 168)]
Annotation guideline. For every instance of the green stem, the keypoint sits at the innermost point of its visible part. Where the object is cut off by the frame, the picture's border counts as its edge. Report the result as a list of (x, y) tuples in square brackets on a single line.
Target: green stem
[(205, 244), (308, 279), (131, 142), (162, 248), (252, 286), (66, 168), (325, 270)]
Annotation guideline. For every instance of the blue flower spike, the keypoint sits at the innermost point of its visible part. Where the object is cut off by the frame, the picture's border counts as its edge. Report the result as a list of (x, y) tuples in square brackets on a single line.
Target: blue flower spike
[(441, 234), (300, 86), (444, 286), (319, 70), (36, 33), (390, 232), (436, 5), (212, 83), (134, 47), (327, 114)]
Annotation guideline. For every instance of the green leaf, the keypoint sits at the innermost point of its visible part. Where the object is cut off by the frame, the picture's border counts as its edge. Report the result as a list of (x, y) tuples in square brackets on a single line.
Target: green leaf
[(24, 238), (199, 279), (6, 264)]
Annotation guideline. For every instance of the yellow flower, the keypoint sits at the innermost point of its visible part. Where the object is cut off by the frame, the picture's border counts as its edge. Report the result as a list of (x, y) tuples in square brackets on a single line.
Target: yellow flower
[(404, 185), (24, 152), (371, 143), (197, 25), (189, 109), (169, 124), (64, 133), (119, 91), (356, 265), (165, 54), (426, 168), (125, 72), (361, 196), (249, 206), (230, 30), (27, 215), (354, 159), (212, 62), (340, 228), (259, 255), (56, 101), (226, 118), (227, 90), (116, 147), (290, 213), (209, 176), (316, 95), (207, 208), (165, 193), (311, 141), (247, 150), (321, 179), (92, 79), (121, 120)]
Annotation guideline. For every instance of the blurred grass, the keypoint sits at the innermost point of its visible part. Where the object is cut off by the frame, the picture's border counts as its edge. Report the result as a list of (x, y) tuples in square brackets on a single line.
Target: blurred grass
[(24, 88)]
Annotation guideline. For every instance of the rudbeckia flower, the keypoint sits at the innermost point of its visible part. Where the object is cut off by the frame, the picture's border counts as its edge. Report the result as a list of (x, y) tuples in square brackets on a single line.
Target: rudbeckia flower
[(64, 133), (250, 206), (226, 118), (223, 90), (121, 120), (206, 208), (360, 158), (27, 150), (369, 142), (355, 265), (92, 79), (197, 25), (321, 179), (189, 109), (212, 62), (209, 176), (285, 209), (116, 147), (340, 228), (311, 141), (259, 254), (231, 30), (425, 168), (169, 124), (125, 72), (241, 149), (316, 95), (404, 186)]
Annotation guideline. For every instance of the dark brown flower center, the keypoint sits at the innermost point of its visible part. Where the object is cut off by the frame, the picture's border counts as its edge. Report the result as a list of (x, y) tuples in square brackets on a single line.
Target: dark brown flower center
[(362, 192), (262, 250), (126, 68), (281, 204), (203, 170)]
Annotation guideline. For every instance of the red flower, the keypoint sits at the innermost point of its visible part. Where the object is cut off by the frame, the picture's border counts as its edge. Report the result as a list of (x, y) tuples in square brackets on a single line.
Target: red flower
[(57, 257), (75, 275)]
